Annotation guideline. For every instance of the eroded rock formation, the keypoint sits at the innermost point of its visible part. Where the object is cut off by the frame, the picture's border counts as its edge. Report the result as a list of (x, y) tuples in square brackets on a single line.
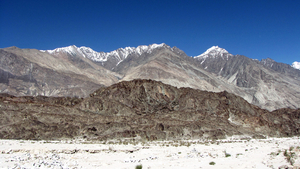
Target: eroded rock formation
[(142, 109)]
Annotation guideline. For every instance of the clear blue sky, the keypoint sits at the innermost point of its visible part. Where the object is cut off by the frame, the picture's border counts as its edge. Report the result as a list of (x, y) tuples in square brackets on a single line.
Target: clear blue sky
[(255, 28)]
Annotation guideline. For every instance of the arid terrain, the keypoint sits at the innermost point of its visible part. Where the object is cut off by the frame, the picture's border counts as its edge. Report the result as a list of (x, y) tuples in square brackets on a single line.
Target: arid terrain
[(142, 110), (272, 153)]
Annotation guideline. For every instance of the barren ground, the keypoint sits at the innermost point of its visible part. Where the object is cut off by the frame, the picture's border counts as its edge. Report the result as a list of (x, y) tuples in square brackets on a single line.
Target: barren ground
[(230, 153)]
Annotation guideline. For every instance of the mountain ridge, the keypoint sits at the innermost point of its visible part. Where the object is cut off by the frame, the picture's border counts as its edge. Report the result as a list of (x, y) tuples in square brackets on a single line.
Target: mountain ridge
[(102, 56), (265, 83), (120, 53)]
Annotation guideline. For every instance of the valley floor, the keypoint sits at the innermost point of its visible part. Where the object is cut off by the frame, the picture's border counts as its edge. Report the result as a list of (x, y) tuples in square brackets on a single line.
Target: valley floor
[(230, 153)]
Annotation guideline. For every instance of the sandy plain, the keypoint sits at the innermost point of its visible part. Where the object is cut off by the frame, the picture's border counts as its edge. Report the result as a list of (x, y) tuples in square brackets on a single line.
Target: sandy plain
[(230, 153)]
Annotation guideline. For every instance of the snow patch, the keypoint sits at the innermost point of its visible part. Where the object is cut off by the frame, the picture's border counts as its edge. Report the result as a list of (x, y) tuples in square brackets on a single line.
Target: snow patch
[(153, 46), (202, 61)]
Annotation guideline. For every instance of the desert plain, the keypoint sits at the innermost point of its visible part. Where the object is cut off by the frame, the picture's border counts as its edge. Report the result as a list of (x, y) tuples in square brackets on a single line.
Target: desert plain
[(227, 153)]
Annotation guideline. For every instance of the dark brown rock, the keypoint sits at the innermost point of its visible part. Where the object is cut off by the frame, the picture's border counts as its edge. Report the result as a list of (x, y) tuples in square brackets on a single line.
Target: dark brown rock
[(142, 109)]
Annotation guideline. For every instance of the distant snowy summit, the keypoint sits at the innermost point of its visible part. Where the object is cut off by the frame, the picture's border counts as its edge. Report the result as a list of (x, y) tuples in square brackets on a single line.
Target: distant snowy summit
[(296, 65), (214, 51), (120, 54)]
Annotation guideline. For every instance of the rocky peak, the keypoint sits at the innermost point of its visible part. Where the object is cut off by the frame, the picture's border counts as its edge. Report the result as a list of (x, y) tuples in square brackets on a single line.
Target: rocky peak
[(282, 67), (177, 50), (268, 62)]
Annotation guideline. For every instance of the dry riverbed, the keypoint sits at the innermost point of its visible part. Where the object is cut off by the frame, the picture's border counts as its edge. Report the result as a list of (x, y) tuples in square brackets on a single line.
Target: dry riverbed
[(230, 153)]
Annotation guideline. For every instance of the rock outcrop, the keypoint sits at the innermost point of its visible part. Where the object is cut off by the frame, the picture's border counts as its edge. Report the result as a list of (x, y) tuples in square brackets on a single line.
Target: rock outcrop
[(142, 110)]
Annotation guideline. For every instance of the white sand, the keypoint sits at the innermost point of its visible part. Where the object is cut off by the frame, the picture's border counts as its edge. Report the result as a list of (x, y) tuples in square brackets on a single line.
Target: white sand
[(73, 154)]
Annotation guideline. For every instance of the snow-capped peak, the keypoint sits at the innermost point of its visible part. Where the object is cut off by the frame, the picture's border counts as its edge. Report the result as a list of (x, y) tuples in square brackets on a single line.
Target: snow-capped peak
[(296, 65), (119, 54), (69, 49), (213, 51), (153, 46)]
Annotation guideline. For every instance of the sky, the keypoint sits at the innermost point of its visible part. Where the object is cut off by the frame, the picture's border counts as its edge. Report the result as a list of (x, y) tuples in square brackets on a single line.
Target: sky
[(257, 29)]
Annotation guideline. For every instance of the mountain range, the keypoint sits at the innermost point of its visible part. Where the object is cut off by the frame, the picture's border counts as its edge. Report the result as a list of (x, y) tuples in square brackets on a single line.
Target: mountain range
[(78, 71)]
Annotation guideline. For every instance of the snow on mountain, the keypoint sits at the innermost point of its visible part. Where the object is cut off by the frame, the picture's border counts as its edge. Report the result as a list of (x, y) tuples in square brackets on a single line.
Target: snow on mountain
[(120, 54), (213, 51), (296, 65), (69, 49), (93, 55)]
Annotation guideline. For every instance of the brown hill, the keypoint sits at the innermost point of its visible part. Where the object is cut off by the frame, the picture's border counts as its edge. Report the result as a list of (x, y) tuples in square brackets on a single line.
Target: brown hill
[(142, 109)]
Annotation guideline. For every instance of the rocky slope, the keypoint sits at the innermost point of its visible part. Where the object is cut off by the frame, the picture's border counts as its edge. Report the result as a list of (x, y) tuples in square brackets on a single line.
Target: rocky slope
[(33, 72), (142, 110), (268, 85), (265, 83)]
